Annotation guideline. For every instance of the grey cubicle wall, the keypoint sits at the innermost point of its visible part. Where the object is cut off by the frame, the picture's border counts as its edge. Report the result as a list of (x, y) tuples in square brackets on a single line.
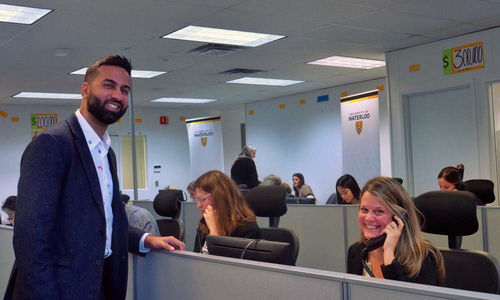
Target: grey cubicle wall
[(185, 275), (326, 231), (6, 256)]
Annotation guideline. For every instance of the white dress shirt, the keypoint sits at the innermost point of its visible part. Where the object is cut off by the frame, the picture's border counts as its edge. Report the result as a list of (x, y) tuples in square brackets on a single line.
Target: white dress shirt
[(99, 150)]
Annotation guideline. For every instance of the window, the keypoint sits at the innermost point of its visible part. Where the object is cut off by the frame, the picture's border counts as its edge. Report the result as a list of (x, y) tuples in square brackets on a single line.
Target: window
[(127, 170)]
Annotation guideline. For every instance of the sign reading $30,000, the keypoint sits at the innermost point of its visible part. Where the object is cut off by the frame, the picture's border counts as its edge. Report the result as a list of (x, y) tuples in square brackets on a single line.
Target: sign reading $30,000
[(463, 59)]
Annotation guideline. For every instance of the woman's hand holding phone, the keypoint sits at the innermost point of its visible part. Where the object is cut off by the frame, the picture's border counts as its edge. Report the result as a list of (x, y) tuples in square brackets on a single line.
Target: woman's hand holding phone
[(393, 231)]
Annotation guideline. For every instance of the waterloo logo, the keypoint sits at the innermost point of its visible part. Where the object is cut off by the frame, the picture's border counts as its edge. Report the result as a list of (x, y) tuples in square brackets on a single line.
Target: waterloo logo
[(359, 127), (204, 141)]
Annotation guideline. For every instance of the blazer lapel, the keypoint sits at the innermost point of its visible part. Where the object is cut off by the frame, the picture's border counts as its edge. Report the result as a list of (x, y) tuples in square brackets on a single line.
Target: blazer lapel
[(87, 161)]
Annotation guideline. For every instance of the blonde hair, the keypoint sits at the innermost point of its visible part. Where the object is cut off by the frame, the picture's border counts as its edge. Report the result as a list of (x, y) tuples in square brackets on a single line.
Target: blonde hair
[(228, 202), (412, 248)]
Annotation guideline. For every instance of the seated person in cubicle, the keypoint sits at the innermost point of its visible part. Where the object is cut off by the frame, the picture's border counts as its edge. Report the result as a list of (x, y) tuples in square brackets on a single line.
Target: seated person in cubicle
[(191, 190), (391, 244), (9, 207), (451, 178), (140, 218), (302, 190), (347, 190), (224, 210), (272, 180)]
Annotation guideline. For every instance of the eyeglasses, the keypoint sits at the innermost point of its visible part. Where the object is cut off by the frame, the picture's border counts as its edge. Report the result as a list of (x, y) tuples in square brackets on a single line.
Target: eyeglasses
[(201, 199)]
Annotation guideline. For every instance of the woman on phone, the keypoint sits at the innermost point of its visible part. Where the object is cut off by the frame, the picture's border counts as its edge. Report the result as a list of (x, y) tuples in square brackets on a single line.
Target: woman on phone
[(223, 208), (391, 245)]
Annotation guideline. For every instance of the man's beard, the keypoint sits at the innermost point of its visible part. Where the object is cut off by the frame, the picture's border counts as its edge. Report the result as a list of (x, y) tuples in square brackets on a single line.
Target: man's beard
[(96, 107)]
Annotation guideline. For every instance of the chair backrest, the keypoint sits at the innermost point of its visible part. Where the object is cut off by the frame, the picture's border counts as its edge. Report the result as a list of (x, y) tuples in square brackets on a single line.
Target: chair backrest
[(451, 213), (332, 199), (168, 204), (484, 189), (471, 270), (171, 227), (283, 235), (268, 201)]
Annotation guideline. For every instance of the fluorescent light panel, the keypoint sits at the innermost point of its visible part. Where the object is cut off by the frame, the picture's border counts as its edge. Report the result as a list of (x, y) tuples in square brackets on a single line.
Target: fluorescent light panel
[(264, 81), (48, 95), (135, 73), (349, 62), (183, 100), (223, 36), (21, 14)]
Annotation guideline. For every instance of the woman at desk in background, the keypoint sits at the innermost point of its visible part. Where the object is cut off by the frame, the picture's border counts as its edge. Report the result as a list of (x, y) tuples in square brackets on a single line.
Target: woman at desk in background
[(451, 178), (9, 207), (302, 190), (224, 211), (391, 244), (244, 170), (347, 190)]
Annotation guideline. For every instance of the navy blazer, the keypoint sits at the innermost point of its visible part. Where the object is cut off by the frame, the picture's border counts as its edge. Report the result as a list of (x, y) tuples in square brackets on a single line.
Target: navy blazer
[(60, 232)]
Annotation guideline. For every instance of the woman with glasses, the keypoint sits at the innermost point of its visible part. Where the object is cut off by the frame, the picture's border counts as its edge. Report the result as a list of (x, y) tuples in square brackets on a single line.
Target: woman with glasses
[(223, 208)]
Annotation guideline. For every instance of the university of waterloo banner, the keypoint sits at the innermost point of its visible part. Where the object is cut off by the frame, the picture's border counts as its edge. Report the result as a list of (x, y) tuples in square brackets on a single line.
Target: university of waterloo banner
[(360, 136), (205, 145)]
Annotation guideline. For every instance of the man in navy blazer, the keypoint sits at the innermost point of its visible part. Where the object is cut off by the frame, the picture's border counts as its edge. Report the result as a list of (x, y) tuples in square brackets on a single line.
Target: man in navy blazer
[(72, 236)]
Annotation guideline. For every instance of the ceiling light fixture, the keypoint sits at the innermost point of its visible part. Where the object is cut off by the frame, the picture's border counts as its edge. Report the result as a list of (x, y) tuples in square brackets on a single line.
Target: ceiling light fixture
[(265, 81), (21, 14), (349, 62), (183, 100), (135, 73), (222, 36), (48, 96)]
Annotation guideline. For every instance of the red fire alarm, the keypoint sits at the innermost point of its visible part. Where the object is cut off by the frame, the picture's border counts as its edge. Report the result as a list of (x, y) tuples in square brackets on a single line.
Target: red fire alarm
[(163, 120)]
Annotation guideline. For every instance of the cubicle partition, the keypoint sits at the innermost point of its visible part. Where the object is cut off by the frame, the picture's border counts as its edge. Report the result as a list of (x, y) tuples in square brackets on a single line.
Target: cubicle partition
[(185, 275), (6, 256)]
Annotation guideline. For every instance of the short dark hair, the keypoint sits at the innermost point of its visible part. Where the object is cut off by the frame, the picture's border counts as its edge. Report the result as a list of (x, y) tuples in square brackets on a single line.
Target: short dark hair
[(112, 60), (10, 203)]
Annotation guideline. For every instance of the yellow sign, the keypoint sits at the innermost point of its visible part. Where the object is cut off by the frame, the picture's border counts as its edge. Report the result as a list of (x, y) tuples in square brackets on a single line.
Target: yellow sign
[(463, 59), (42, 121)]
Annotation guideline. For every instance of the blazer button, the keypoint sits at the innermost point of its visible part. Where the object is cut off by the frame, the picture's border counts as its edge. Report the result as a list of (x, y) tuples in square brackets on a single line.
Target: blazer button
[(98, 262), (101, 232)]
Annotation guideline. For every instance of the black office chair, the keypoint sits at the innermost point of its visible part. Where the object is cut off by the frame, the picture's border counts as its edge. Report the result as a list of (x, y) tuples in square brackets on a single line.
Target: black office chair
[(400, 180), (484, 189), (168, 204), (453, 213), (269, 201), (332, 199)]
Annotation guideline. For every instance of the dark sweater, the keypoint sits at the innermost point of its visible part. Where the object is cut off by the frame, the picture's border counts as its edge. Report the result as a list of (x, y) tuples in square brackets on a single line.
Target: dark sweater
[(428, 273), (244, 171), (248, 230)]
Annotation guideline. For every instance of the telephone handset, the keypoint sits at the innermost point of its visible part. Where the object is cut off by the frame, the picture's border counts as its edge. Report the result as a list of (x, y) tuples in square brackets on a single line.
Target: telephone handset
[(378, 241)]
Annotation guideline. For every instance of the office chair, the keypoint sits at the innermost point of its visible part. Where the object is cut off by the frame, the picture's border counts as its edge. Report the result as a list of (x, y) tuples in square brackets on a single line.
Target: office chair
[(168, 204), (332, 199), (453, 213), (269, 201), (400, 180), (482, 188)]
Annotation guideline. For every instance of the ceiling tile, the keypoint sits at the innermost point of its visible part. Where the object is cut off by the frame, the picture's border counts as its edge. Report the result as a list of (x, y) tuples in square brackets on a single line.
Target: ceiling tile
[(354, 35), (456, 10), (391, 21), (312, 10), (406, 43), (454, 31)]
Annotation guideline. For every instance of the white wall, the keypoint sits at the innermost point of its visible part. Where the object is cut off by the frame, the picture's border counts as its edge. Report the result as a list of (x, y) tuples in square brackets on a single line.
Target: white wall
[(430, 78), (307, 138), (167, 145)]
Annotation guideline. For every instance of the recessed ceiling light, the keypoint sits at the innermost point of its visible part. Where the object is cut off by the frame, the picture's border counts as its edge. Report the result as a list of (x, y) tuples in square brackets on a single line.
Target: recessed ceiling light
[(223, 36), (135, 73), (265, 81), (21, 14), (349, 62), (183, 100), (48, 95)]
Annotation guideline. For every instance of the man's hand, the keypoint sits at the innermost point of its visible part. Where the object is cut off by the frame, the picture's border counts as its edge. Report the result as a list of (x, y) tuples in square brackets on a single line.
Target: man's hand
[(163, 243)]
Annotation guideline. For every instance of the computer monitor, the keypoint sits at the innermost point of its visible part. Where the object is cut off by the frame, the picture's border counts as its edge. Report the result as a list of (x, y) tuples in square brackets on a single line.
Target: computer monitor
[(256, 249)]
